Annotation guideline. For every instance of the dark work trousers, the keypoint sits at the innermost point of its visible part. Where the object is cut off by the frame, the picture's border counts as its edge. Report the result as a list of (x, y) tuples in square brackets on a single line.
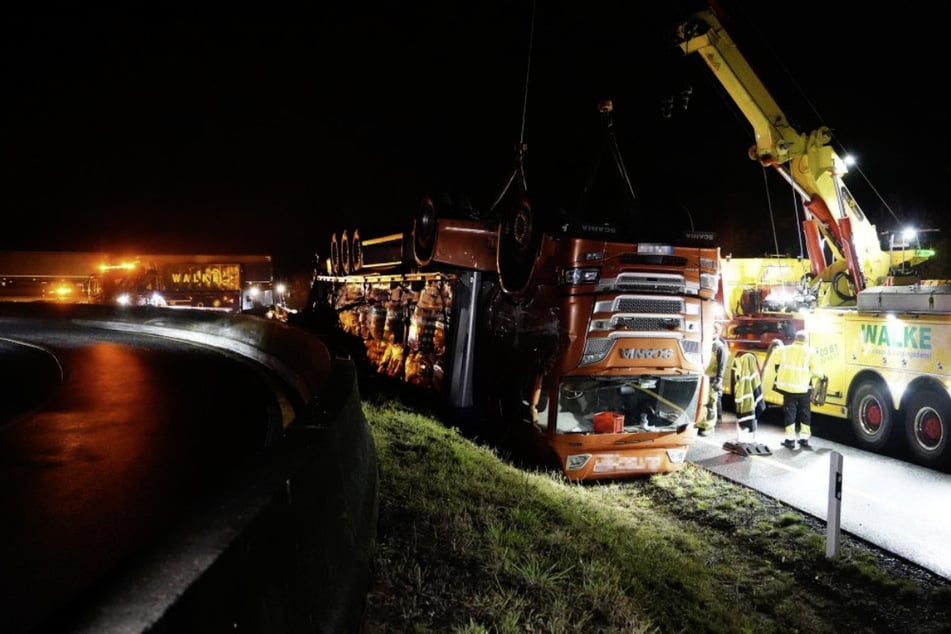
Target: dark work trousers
[(797, 413)]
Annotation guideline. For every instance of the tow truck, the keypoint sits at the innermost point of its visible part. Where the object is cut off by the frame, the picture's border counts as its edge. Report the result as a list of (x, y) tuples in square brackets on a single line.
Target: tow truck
[(883, 334), (231, 283)]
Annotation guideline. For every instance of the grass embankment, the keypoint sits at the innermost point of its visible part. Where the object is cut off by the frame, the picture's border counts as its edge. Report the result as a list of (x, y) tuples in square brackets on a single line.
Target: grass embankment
[(469, 543)]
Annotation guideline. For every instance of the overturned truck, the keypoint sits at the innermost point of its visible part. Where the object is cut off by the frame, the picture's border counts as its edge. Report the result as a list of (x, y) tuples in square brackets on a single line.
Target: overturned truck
[(585, 330), (596, 345)]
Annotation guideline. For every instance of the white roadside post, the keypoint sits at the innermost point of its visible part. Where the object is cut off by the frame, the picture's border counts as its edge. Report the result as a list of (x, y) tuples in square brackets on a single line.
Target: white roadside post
[(834, 513)]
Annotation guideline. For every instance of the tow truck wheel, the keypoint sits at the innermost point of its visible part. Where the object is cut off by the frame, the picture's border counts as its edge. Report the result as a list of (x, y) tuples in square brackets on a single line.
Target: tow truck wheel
[(928, 427), (518, 245), (334, 255), (424, 232), (872, 416)]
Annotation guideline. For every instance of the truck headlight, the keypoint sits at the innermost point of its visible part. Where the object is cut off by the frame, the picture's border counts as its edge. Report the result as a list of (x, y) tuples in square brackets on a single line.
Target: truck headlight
[(577, 461), (677, 455), (595, 350), (709, 281), (578, 276)]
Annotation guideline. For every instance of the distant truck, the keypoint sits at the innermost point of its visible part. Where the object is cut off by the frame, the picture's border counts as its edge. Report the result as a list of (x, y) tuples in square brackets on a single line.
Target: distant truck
[(50, 276), (233, 283)]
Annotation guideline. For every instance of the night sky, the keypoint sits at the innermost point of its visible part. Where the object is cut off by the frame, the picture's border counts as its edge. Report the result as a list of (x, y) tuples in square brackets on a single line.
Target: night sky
[(263, 130)]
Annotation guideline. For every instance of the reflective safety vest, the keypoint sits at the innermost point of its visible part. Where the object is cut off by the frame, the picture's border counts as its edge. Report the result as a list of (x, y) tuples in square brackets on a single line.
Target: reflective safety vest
[(717, 366), (798, 365), (747, 388)]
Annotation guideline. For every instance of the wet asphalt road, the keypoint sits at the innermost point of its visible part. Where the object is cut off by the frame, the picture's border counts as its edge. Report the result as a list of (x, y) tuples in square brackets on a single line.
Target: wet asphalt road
[(105, 438), (885, 500)]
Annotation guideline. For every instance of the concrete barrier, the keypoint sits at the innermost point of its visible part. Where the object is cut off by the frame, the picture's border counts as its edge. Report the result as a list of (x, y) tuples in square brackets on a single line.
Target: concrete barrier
[(287, 544)]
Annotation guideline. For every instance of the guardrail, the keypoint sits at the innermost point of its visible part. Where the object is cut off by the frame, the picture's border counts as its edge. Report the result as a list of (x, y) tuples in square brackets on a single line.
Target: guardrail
[(286, 546)]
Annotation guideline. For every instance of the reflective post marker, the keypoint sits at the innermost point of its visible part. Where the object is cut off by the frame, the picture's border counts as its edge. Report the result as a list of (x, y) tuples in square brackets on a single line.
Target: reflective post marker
[(834, 513)]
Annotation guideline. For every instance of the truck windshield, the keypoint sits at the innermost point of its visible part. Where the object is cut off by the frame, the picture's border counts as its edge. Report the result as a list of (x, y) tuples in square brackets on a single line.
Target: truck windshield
[(643, 403)]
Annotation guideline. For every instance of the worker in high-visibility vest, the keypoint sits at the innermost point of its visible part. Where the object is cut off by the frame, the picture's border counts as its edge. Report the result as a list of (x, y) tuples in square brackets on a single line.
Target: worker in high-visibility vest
[(716, 368), (798, 366), (747, 395)]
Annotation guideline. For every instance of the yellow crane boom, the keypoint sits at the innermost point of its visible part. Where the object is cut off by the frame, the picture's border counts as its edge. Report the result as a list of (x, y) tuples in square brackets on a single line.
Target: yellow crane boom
[(839, 237)]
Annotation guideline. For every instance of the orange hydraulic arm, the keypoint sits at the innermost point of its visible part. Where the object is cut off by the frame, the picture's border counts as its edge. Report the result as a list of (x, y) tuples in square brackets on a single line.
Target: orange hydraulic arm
[(806, 161)]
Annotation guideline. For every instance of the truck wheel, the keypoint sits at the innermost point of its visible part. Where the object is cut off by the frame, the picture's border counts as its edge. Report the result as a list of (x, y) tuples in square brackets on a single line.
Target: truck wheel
[(345, 266), (334, 255), (356, 252), (928, 427), (872, 417), (520, 237), (424, 232)]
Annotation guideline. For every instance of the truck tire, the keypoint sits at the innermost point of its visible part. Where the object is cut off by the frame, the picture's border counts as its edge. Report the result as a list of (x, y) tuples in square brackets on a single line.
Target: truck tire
[(345, 266), (872, 416), (424, 232), (334, 255), (356, 252), (928, 427), (519, 242)]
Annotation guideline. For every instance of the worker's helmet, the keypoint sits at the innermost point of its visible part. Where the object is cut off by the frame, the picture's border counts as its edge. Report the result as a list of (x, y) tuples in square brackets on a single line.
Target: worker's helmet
[(802, 336)]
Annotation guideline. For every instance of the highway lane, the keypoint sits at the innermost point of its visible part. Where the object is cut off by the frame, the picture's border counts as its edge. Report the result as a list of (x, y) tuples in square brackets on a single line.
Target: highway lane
[(886, 500), (106, 438)]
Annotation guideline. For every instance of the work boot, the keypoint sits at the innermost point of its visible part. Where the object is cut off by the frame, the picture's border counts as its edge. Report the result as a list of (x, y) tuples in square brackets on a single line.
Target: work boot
[(804, 442), (789, 444)]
